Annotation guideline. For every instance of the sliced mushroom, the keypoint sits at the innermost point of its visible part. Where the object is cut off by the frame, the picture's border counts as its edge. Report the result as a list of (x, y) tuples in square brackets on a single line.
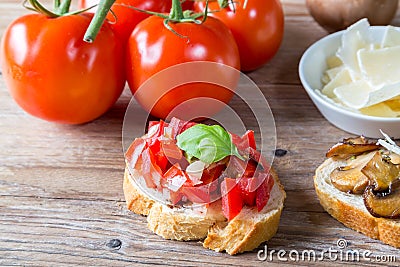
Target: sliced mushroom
[(381, 172), (392, 157), (349, 178), (351, 147), (383, 204)]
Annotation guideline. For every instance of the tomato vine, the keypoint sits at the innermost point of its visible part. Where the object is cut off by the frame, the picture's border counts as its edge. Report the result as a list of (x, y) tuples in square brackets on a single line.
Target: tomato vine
[(176, 15), (60, 8)]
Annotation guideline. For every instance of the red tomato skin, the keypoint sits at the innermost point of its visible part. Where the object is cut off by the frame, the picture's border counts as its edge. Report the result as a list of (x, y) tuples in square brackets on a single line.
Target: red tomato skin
[(258, 28), (197, 194), (264, 190), (248, 194), (134, 152), (152, 48), (187, 4), (54, 75), (126, 19), (232, 202)]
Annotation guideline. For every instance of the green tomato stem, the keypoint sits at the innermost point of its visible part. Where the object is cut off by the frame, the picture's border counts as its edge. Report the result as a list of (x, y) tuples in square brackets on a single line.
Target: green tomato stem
[(98, 19), (56, 4), (63, 8), (38, 7), (176, 13)]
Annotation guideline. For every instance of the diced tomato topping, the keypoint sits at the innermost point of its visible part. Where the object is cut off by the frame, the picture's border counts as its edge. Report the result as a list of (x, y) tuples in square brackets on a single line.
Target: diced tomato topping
[(212, 173), (178, 126), (154, 136), (172, 172), (258, 157), (162, 164), (152, 173), (187, 126), (249, 138), (134, 152), (197, 194), (171, 150), (173, 154), (251, 168), (232, 202), (159, 156), (240, 168), (264, 190), (248, 188), (242, 143), (151, 124), (175, 197), (237, 140)]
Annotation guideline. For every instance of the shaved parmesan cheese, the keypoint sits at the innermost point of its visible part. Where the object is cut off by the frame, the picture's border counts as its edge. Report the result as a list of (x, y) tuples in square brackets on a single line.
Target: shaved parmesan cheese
[(354, 95), (380, 110), (389, 144), (391, 37), (385, 93), (333, 62), (332, 73), (365, 71), (342, 78), (380, 66), (354, 39)]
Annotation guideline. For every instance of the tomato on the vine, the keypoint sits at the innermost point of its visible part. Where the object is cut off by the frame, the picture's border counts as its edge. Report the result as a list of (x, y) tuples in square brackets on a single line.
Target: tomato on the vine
[(125, 18), (187, 4), (152, 47), (257, 28), (54, 75)]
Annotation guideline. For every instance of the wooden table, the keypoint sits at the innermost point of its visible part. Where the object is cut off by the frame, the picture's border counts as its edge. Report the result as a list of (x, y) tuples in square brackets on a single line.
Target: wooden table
[(61, 199)]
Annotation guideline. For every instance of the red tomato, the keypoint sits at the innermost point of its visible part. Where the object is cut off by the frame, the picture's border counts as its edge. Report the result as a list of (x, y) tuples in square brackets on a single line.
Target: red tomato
[(54, 75), (127, 18), (257, 28), (232, 202), (240, 168), (178, 126), (152, 173), (257, 157), (264, 190), (247, 140), (212, 173), (172, 172), (171, 150), (197, 194), (134, 152), (187, 4), (248, 192), (152, 48), (175, 197)]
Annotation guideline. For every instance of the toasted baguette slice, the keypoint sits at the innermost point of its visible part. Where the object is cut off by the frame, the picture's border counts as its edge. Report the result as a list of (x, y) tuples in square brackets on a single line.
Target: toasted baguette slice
[(350, 210), (243, 233)]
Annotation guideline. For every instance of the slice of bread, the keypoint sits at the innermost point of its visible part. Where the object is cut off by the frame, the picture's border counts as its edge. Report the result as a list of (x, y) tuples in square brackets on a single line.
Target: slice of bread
[(243, 233), (350, 210)]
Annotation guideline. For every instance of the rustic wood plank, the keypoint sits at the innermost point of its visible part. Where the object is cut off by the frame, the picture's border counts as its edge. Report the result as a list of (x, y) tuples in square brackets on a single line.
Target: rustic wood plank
[(61, 200)]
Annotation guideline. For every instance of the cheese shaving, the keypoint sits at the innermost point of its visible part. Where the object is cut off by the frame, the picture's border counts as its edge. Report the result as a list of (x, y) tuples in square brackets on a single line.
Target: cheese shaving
[(389, 144)]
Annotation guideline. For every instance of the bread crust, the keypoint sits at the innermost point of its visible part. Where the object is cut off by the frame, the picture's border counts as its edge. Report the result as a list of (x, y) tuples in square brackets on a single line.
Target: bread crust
[(350, 210), (244, 233), (135, 201)]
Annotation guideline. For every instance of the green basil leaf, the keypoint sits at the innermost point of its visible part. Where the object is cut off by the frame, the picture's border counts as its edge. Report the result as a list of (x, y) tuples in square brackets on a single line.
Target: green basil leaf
[(207, 143)]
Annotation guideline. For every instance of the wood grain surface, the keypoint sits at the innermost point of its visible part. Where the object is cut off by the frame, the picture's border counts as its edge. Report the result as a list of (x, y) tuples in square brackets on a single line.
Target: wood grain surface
[(61, 199)]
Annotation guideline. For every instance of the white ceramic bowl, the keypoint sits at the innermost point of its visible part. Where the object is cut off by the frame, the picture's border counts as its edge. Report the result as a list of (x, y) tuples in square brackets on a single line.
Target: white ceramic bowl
[(311, 68)]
